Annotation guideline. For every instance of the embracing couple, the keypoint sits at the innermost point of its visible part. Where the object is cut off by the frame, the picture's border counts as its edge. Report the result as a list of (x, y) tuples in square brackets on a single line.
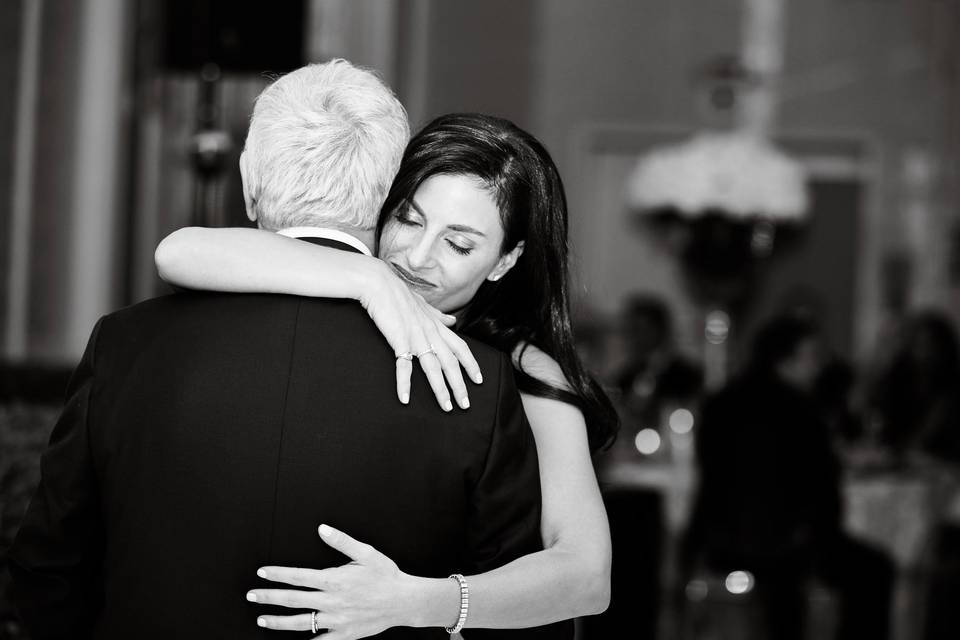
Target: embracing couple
[(259, 452)]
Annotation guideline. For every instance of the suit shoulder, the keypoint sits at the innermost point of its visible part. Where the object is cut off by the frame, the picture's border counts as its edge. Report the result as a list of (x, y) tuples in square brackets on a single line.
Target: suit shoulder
[(214, 306), (196, 317), (486, 355)]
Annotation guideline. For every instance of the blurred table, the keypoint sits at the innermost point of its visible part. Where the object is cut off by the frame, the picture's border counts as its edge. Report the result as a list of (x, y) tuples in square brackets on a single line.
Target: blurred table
[(899, 511), (894, 510)]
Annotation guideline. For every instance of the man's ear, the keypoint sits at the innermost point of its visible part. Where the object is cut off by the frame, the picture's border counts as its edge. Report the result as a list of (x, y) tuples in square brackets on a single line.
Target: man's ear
[(506, 262), (245, 180)]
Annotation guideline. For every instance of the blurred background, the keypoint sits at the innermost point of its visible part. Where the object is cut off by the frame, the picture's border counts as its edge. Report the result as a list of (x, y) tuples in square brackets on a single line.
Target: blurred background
[(764, 218)]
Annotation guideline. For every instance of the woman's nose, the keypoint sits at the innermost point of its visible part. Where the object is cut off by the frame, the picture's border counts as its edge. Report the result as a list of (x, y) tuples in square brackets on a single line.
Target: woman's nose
[(420, 254)]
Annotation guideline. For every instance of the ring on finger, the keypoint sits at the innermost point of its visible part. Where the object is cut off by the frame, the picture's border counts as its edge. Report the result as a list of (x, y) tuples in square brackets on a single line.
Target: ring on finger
[(313, 622), (406, 355), (428, 351)]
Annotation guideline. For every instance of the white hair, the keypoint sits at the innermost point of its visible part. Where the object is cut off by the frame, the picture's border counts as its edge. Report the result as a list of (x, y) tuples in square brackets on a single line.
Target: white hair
[(324, 144)]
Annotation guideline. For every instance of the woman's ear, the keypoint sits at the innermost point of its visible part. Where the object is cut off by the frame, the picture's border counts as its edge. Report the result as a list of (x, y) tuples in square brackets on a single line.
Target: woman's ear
[(245, 181), (506, 262)]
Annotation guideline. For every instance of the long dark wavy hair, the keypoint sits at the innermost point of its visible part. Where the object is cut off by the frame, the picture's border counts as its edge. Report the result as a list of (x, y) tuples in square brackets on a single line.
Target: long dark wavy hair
[(530, 304)]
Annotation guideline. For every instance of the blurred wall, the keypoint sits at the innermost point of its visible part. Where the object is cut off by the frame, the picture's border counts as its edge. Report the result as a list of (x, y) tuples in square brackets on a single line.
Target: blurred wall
[(480, 56), (853, 69), (870, 75), (72, 88)]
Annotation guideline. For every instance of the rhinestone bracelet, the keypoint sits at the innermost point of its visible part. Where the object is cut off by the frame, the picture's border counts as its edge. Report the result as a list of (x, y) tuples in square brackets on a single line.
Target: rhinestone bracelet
[(464, 604)]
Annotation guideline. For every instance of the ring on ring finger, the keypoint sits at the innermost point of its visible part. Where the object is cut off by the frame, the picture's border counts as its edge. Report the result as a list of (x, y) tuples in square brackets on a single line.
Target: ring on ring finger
[(428, 351)]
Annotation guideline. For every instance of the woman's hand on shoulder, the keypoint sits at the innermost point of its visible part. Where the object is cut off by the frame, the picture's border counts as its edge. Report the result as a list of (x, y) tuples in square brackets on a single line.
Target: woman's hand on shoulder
[(416, 330), (251, 260)]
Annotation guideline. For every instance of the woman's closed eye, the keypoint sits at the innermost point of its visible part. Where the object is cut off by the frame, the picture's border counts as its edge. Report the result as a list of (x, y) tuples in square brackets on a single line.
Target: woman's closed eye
[(405, 217), (462, 250)]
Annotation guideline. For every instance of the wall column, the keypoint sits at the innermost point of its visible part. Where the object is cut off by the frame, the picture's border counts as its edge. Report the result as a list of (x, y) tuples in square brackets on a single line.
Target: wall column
[(94, 281)]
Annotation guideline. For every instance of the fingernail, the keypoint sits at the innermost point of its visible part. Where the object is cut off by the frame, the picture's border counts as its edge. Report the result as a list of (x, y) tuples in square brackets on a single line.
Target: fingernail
[(261, 573), (251, 596), (465, 402), (261, 622), (325, 531), (478, 378), (404, 398), (447, 405)]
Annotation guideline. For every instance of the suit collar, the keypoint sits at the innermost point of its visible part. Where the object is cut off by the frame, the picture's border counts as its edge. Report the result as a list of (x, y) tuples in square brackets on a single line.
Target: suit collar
[(327, 237), (330, 242)]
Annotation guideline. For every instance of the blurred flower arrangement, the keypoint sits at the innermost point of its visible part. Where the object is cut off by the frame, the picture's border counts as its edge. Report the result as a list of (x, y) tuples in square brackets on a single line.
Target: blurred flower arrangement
[(735, 173), (719, 200), (723, 199)]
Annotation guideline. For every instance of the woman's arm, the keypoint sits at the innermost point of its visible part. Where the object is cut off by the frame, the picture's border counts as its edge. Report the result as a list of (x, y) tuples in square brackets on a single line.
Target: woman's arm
[(569, 578), (255, 261)]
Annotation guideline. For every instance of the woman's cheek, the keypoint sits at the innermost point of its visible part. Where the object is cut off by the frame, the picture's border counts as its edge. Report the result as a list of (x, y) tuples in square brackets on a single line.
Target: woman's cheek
[(388, 240)]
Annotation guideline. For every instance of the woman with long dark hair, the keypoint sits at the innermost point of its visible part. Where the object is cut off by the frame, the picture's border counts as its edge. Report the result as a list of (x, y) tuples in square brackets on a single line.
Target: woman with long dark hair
[(475, 226)]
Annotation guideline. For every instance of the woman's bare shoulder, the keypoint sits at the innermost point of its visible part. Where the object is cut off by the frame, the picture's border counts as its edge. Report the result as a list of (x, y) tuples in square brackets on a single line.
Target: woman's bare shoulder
[(537, 363)]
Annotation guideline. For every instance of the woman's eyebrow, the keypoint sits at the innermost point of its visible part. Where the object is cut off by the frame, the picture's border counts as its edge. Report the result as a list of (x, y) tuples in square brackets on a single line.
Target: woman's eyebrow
[(462, 228)]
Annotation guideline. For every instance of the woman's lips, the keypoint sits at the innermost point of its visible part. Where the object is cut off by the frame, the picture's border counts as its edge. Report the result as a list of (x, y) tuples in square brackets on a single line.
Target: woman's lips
[(412, 279)]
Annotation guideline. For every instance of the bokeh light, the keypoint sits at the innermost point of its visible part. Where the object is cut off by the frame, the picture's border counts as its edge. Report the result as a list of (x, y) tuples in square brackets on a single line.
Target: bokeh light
[(717, 327), (739, 582), (697, 590), (681, 421), (647, 441)]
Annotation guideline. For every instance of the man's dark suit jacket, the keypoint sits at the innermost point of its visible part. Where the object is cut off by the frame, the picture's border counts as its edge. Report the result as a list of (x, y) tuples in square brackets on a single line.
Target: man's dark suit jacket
[(208, 434)]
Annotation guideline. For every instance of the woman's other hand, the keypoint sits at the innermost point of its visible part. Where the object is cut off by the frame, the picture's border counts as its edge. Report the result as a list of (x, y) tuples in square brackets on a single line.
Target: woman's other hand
[(417, 330), (355, 600)]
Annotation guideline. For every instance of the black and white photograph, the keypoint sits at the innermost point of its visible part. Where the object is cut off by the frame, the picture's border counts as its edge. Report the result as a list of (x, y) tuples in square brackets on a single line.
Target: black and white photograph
[(480, 319)]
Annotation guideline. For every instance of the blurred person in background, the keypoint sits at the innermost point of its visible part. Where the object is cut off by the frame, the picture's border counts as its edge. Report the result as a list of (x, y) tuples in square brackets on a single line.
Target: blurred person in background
[(915, 402), (653, 373), (915, 398), (835, 391), (769, 492)]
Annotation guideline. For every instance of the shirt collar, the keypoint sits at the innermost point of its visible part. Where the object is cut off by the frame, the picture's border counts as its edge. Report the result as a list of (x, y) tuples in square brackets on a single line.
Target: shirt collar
[(329, 234)]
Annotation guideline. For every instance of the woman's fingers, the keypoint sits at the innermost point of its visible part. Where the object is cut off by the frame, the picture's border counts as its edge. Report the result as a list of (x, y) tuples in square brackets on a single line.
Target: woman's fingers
[(353, 549), (432, 368), (445, 318), (461, 350), (451, 371), (456, 344), (324, 579), (414, 328), (404, 371), (299, 622), (290, 598)]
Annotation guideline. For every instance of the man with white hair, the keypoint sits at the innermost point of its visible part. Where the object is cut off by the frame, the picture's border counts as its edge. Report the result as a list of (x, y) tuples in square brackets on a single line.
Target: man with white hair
[(208, 434)]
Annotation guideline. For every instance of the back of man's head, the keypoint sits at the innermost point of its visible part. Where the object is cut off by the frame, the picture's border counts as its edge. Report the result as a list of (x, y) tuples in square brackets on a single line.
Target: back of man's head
[(324, 144)]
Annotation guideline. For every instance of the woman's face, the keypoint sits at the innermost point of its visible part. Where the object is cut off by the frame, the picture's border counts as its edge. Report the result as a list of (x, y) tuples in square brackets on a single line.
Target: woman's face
[(446, 241)]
